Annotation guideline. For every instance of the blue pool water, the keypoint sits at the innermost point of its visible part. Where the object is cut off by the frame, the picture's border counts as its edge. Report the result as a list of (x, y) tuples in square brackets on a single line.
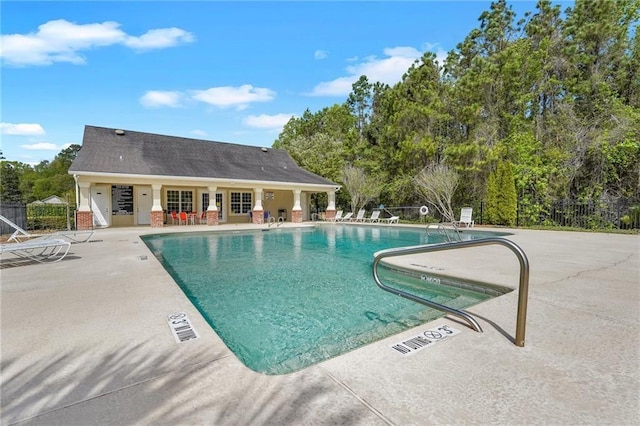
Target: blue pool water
[(288, 298)]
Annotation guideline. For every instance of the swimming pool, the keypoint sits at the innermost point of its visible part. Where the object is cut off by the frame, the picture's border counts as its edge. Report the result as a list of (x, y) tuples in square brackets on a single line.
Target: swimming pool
[(288, 298)]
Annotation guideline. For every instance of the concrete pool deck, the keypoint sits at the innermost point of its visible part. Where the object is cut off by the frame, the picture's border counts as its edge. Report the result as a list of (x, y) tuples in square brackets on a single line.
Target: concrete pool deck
[(85, 341)]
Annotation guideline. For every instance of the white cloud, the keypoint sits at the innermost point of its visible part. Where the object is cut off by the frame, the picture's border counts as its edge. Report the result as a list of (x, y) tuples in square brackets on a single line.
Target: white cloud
[(320, 54), (62, 41), (42, 146), (158, 98), (387, 70), (238, 97), (199, 133), (157, 39), (265, 121), (23, 129)]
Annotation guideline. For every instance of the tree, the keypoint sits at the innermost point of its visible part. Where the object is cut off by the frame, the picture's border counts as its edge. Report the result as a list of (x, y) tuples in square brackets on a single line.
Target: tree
[(502, 201), (361, 188), (437, 183), (9, 182)]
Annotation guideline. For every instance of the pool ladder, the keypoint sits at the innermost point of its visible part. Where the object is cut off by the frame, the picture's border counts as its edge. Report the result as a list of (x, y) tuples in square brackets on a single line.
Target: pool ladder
[(444, 231), (272, 221), (523, 288)]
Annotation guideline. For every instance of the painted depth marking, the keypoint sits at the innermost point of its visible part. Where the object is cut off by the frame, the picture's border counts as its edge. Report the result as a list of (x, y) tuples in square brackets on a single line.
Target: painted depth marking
[(181, 327), (425, 339)]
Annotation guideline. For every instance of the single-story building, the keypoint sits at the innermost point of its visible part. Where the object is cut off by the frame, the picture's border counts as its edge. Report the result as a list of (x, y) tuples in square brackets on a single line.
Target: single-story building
[(129, 178)]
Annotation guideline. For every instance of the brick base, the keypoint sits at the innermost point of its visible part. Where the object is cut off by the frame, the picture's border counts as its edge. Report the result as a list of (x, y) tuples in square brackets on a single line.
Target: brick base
[(258, 217), (84, 221), (330, 215), (157, 219), (296, 216), (212, 217)]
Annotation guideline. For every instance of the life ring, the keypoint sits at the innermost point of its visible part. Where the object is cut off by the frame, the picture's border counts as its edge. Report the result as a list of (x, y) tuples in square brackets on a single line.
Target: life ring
[(424, 210)]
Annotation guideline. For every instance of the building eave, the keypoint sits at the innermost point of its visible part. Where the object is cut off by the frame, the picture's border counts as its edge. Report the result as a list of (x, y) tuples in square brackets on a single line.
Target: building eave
[(198, 181)]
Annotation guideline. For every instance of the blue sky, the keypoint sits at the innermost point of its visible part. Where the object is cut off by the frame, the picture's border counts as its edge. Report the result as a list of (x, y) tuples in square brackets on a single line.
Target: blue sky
[(224, 71)]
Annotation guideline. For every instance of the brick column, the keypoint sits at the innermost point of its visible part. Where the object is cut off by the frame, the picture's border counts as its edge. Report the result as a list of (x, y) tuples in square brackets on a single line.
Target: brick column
[(157, 219), (84, 220), (329, 214), (212, 217), (258, 217), (296, 216)]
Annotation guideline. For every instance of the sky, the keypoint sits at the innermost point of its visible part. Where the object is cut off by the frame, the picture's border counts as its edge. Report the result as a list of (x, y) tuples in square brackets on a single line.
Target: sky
[(232, 71)]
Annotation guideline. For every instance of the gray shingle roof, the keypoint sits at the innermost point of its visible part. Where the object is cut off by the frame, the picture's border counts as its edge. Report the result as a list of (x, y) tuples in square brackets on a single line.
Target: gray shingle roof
[(137, 153)]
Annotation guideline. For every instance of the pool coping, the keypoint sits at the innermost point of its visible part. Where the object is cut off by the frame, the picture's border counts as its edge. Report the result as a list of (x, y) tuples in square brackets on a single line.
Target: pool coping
[(78, 347)]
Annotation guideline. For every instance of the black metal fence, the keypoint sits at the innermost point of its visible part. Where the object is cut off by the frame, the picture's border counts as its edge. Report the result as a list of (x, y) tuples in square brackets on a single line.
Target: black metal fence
[(589, 214), (37, 217), (623, 213)]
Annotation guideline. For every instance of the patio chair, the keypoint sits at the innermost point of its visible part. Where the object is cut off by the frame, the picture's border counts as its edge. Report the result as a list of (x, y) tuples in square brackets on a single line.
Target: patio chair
[(360, 216), (20, 235), (338, 217), (41, 250), (346, 218), (203, 218), (174, 218), (183, 217), (375, 217), (465, 218)]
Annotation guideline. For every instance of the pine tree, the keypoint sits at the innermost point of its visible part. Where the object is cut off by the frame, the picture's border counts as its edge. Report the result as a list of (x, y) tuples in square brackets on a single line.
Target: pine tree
[(507, 206)]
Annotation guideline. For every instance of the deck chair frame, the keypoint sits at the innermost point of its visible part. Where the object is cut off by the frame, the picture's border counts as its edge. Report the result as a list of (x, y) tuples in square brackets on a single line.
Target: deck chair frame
[(375, 217), (337, 217), (466, 218), (41, 250), (360, 216), (20, 235), (346, 218)]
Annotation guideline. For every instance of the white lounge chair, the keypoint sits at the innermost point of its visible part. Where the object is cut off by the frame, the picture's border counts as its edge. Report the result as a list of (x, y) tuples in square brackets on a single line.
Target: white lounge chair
[(392, 219), (20, 235), (337, 217), (40, 250), (360, 216), (346, 218), (465, 218), (375, 217)]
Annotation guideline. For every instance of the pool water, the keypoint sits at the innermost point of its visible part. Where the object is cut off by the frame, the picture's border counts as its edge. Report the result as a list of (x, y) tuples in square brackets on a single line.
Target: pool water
[(288, 298)]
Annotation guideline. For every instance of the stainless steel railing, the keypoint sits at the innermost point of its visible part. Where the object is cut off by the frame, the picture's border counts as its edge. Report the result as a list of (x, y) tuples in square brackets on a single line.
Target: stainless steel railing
[(442, 230), (523, 288)]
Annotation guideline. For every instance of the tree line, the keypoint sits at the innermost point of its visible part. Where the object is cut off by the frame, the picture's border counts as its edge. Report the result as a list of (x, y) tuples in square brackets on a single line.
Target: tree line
[(24, 183), (556, 95), (546, 107)]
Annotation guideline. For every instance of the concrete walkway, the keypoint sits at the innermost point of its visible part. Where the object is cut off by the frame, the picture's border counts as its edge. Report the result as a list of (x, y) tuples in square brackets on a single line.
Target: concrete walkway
[(85, 342)]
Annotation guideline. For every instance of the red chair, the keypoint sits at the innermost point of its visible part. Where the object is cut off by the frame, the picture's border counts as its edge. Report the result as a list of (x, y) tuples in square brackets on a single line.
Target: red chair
[(174, 218), (183, 218), (203, 218)]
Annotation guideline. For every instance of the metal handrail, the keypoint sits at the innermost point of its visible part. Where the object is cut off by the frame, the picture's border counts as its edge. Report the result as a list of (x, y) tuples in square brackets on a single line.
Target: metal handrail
[(442, 230), (523, 288)]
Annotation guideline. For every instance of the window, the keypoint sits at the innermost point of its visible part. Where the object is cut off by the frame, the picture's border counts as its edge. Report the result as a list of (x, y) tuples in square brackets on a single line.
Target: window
[(205, 201), (241, 202), (179, 201)]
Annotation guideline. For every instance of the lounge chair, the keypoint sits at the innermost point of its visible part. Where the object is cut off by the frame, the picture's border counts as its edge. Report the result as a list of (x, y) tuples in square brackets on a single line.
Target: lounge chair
[(40, 250), (338, 217), (20, 235), (392, 219), (346, 218), (360, 216), (375, 217), (465, 218)]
